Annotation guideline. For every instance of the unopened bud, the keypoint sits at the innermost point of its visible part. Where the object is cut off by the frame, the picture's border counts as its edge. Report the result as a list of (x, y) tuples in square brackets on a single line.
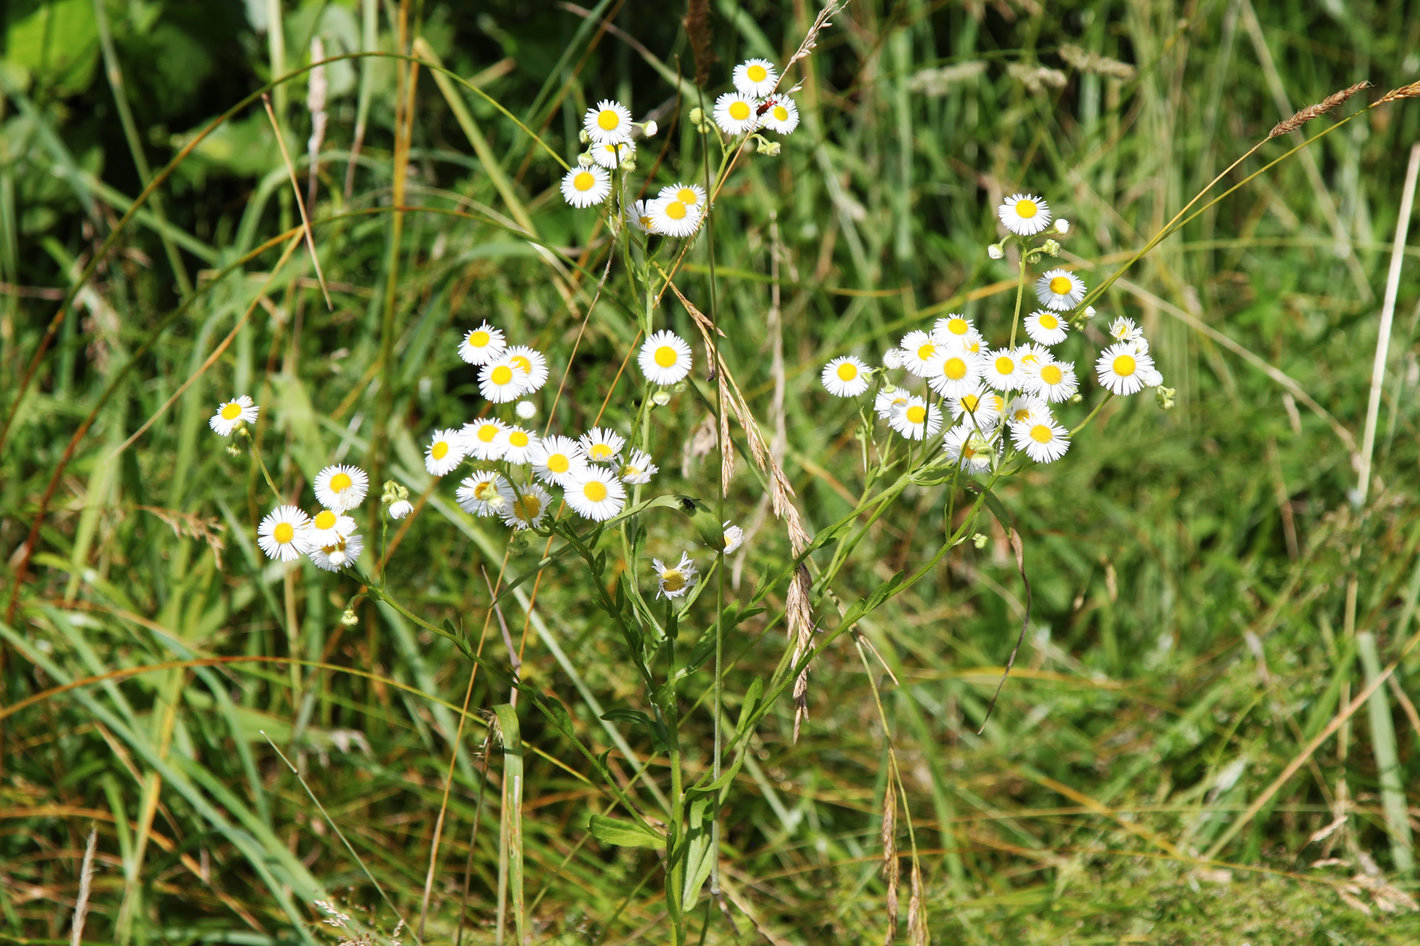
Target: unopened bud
[(995, 251), (1062, 226), (1164, 397), (649, 129), (979, 540)]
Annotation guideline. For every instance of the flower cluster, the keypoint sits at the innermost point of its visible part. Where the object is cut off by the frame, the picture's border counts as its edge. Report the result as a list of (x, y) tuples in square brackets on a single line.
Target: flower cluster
[(328, 538), (678, 209), (514, 468), (1001, 400)]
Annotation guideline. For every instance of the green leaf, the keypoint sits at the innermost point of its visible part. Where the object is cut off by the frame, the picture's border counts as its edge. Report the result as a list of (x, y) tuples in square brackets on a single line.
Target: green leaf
[(619, 833)]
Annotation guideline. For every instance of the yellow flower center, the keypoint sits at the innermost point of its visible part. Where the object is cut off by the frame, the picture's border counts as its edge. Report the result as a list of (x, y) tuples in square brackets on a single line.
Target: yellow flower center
[(739, 111), (487, 432), (916, 414), (1005, 365), (676, 210), (1051, 374), (954, 369), (666, 356), (970, 403), (687, 196), (1049, 322), (325, 519), (439, 450), (1040, 433), (595, 490), (781, 114), (600, 451), (527, 507), (584, 181), (485, 490), (523, 363), (478, 338), (607, 119), (1022, 414), (757, 73), (340, 482), (1060, 285), (847, 371), (926, 350), (518, 438), (957, 326), (283, 533), (502, 375), (559, 463), (231, 411), (672, 579), (1026, 209), (1124, 365)]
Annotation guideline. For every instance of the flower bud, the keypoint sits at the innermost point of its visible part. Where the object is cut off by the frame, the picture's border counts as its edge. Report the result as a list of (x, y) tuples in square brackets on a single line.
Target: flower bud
[(996, 251)]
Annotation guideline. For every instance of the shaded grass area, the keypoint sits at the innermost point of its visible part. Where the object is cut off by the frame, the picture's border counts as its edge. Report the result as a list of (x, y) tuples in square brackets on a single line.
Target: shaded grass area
[(1192, 574)]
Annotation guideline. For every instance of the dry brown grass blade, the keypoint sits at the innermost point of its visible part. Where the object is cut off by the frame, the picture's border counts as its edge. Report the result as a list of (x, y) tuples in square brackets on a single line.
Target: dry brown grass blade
[(1404, 92), (1313, 111), (891, 869), (300, 201)]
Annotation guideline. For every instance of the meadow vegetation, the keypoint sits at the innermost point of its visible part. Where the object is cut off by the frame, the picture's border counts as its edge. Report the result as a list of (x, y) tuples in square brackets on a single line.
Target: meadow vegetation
[(477, 734)]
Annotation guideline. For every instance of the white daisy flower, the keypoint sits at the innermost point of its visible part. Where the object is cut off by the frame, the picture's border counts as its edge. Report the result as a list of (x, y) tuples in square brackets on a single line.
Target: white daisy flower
[(233, 414), (518, 444), (919, 353), (501, 380), (1001, 370), (341, 487), (1124, 370), (1043, 441), (917, 420), (637, 469), (973, 448), (846, 376), (400, 508), (755, 77), (1059, 290), (674, 580), (674, 218), (284, 533), (692, 195), (482, 345), (953, 326), (1025, 215), (533, 366), (584, 187), (608, 121), (736, 113), (335, 556), (556, 459), (445, 451), (595, 493), (1028, 409), (889, 403), (892, 358), (611, 154), (977, 407), (1046, 328), (734, 538), (665, 358), (328, 527), (781, 116), (601, 444), (525, 508), (482, 439), (955, 371), (638, 214), (481, 493), (1053, 380), (1123, 329)]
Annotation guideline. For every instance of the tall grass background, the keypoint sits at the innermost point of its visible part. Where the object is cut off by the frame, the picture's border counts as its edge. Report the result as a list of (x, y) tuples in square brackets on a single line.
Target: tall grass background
[(1209, 734)]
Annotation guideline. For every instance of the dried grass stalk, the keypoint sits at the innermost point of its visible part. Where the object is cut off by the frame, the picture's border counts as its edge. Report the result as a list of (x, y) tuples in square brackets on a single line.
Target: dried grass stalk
[(891, 869), (1313, 111), (702, 40), (1404, 92)]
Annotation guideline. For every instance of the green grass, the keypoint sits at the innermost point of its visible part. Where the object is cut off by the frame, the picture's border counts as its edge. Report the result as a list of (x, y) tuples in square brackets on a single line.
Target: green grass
[(1206, 602)]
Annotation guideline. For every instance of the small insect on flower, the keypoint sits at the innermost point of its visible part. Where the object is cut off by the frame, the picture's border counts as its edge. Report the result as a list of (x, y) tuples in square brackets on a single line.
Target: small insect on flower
[(755, 77), (673, 581), (445, 451), (284, 533), (611, 154), (638, 469), (601, 445), (1059, 289), (1043, 441), (525, 507), (1024, 215), (846, 376), (233, 414), (501, 380), (736, 113), (585, 187), (779, 114), (609, 121), (1123, 369), (665, 358), (481, 493), (341, 487), (482, 345), (1046, 328), (556, 460), (674, 218), (595, 493)]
